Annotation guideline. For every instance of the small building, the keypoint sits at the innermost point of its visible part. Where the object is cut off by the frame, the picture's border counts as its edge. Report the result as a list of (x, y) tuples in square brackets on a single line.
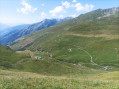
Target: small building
[(70, 50), (50, 55), (36, 57)]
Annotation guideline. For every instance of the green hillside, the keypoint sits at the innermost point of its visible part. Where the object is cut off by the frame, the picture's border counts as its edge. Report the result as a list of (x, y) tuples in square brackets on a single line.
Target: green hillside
[(90, 40), (80, 53), (9, 60), (8, 57)]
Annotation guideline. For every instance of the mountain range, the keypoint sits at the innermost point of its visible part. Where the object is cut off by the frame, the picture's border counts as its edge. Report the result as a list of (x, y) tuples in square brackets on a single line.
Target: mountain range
[(79, 40), (81, 52), (22, 30), (2, 29)]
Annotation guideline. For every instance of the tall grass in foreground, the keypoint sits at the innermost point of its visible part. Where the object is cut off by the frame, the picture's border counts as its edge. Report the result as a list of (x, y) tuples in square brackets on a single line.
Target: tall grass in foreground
[(23, 80)]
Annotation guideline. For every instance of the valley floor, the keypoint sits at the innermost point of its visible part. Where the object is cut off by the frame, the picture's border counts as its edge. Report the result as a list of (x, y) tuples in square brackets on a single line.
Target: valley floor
[(26, 80)]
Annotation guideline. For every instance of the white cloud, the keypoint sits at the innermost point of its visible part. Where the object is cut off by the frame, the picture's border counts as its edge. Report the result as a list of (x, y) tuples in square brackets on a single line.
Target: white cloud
[(43, 4), (27, 8), (88, 7), (80, 7), (61, 16), (42, 15), (66, 4), (57, 10), (74, 1), (73, 15)]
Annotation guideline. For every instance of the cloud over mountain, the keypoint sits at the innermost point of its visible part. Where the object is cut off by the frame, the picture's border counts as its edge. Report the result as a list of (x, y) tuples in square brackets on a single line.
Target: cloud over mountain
[(27, 8), (57, 10)]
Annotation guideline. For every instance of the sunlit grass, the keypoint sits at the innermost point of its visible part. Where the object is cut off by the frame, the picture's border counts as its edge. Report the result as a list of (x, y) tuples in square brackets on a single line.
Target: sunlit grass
[(26, 80)]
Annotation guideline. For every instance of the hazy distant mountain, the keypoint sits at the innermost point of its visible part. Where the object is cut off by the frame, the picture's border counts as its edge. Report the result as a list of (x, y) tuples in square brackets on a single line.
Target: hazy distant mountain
[(2, 28), (10, 29), (15, 34)]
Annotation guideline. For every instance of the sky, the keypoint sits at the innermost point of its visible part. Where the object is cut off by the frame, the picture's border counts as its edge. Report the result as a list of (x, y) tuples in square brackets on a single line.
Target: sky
[(16, 12)]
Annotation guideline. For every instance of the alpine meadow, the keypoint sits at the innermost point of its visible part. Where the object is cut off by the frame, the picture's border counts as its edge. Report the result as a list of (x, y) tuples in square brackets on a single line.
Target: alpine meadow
[(69, 45)]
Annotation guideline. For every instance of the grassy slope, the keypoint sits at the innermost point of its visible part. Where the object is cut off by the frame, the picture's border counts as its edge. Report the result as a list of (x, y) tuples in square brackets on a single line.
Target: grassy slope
[(8, 57), (11, 60), (99, 37), (25, 80), (54, 74), (49, 67), (40, 36)]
